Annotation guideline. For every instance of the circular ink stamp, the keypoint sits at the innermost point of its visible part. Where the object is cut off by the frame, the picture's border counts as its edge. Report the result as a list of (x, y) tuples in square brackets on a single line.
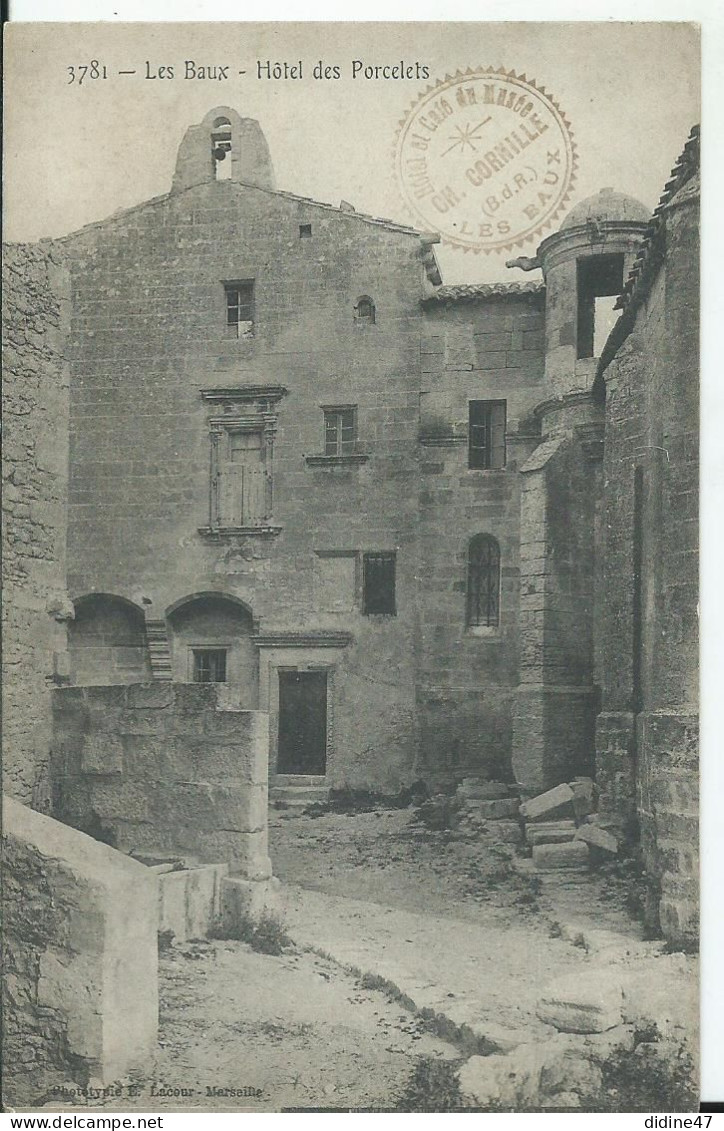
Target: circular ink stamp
[(486, 158)]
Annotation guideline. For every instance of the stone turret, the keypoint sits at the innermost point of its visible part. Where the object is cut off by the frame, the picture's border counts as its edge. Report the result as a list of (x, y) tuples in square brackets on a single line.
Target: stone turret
[(224, 146)]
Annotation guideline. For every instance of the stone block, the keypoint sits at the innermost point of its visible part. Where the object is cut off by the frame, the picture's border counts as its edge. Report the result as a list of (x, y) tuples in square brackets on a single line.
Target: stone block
[(555, 857), (597, 837), (554, 802), (102, 753), (571, 1071), (493, 810), (600, 1046), (584, 797), (504, 832), (550, 832), (190, 901), (243, 899), (585, 1002), (94, 950), (482, 790)]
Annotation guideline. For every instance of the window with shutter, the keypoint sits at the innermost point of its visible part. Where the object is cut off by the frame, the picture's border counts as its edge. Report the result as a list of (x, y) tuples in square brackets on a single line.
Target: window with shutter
[(486, 435)]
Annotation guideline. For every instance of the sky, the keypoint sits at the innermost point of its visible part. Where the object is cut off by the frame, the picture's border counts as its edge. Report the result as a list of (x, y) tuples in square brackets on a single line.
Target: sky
[(75, 153)]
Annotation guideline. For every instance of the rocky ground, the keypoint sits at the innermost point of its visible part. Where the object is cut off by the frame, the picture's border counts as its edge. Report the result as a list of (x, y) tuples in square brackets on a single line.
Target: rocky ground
[(420, 970)]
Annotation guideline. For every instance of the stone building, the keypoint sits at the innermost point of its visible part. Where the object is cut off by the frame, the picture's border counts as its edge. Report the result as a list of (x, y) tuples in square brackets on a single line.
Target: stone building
[(397, 516)]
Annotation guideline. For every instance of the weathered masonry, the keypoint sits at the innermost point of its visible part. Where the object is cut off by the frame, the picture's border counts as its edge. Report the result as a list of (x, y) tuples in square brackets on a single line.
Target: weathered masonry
[(413, 524)]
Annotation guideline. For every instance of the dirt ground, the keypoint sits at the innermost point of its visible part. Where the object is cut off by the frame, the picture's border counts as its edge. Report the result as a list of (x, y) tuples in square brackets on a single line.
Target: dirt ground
[(296, 1027), (460, 925), (387, 857)]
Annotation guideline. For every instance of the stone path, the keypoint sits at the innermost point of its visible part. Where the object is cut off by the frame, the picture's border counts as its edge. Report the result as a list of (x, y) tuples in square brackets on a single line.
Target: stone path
[(487, 977)]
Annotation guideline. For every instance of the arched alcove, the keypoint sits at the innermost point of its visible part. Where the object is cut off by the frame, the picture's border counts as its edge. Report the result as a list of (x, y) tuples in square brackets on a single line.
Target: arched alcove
[(107, 641), (210, 636)]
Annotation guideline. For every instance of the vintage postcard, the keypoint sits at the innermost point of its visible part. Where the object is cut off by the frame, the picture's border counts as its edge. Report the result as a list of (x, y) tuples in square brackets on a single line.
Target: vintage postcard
[(351, 567)]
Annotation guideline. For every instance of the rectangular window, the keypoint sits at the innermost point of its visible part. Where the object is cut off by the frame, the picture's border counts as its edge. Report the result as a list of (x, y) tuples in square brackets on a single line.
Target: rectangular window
[(486, 435), (209, 665), (305, 231), (340, 431), (599, 282), (240, 309), (379, 584)]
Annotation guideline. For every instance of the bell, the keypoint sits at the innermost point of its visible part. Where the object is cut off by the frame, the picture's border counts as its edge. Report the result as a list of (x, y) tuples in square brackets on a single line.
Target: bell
[(219, 153)]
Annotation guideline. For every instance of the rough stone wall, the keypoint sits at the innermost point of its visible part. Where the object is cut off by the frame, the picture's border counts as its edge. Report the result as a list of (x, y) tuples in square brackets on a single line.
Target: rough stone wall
[(489, 350), (149, 334), (80, 993), (646, 746), (164, 768), (35, 478), (553, 732)]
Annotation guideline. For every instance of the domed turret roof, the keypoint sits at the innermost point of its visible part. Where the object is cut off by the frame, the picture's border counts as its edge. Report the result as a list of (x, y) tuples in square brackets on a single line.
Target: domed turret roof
[(607, 205)]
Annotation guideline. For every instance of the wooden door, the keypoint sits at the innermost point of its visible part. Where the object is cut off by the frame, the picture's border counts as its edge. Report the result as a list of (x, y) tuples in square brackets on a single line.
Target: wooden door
[(302, 722)]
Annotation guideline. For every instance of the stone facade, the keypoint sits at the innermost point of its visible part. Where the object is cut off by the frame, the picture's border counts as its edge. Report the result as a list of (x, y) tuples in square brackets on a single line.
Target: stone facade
[(395, 516), (80, 992), (164, 768), (35, 486)]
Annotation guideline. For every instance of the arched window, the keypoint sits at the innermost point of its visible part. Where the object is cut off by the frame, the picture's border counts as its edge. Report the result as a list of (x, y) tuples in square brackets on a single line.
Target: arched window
[(364, 311), (483, 582), (221, 148)]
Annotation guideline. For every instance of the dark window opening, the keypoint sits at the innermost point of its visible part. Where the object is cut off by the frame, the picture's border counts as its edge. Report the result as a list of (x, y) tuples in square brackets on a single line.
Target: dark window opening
[(483, 582), (364, 311), (379, 584), (340, 431), (305, 231), (209, 665), (486, 435), (600, 282), (221, 149), (240, 309)]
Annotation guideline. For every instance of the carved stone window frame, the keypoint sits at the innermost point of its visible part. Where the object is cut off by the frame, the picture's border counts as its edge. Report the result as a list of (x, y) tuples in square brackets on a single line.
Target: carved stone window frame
[(251, 408)]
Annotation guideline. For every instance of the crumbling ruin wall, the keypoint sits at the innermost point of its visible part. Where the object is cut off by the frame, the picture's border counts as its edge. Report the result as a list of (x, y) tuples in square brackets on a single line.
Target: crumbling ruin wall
[(35, 487), (164, 768), (80, 981)]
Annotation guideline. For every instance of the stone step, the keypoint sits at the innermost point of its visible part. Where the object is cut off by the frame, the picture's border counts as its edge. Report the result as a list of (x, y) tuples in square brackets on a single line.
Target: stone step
[(298, 779), (553, 832), (298, 797)]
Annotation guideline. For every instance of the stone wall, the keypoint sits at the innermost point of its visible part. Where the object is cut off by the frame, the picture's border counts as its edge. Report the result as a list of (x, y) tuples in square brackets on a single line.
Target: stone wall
[(35, 480), (647, 763), (80, 960), (484, 349), (164, 769)]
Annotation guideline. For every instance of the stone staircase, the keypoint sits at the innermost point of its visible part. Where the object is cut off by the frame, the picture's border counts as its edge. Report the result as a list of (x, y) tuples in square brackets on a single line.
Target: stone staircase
[(296, 791)]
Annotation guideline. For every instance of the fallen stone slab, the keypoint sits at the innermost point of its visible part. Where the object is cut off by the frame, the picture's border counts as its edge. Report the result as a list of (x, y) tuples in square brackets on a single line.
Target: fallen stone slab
[(531, 1071), (494, 810), (585, 1002), (597, 837), (553, 857), (557, 801)]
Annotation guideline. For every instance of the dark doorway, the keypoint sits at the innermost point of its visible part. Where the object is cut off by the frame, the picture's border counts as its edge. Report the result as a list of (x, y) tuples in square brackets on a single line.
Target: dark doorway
[(302, 723)]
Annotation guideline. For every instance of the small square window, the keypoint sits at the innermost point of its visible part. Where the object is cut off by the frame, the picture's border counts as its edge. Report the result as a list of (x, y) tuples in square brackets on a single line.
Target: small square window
[(240, 309), (340, 431), (378, 594), (486, 435), (209, 665), (305, 231)]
